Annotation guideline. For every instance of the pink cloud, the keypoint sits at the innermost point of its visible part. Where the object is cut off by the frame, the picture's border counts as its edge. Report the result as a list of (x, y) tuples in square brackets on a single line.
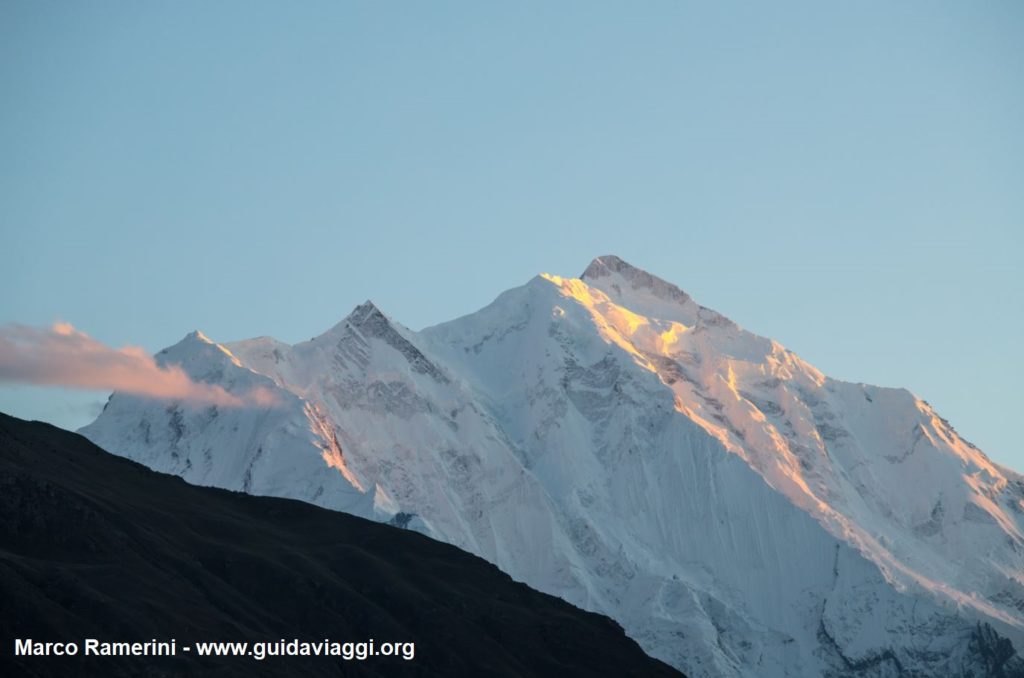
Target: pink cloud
[(63, 356)]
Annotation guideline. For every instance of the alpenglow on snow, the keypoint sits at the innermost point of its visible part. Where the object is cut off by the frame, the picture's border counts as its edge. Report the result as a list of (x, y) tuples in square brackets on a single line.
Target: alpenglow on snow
[(610, 441)]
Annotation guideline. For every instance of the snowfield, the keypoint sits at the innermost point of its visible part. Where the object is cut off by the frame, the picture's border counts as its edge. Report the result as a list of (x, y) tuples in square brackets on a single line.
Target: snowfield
[(608, 440)]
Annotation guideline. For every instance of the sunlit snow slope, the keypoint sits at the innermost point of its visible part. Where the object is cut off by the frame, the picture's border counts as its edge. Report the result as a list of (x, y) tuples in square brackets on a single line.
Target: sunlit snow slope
[(609, 440)]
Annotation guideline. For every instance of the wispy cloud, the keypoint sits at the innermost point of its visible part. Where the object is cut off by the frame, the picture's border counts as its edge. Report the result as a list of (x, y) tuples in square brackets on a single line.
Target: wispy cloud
[(62, 356)]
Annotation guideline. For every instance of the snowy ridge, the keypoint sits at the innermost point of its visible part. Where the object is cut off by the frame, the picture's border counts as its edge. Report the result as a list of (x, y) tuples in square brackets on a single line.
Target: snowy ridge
[(287, 450), (609, 440)]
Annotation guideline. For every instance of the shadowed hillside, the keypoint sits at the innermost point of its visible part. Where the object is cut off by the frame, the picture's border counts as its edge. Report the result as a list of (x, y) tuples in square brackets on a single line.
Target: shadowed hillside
[(96, 546)]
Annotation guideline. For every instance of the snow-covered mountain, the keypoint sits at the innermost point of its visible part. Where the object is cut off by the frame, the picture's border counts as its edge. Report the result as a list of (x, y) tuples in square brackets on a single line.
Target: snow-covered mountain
[(608, 440)]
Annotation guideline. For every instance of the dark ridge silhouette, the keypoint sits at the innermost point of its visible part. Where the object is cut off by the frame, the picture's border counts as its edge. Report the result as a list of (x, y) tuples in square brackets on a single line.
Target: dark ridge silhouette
[(96, 546)]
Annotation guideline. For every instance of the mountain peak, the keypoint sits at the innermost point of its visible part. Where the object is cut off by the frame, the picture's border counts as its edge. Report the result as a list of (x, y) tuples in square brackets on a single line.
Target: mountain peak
[(606, 265), (192, 343), (363, 312), (197, 347), (197, 336), (618, 271)]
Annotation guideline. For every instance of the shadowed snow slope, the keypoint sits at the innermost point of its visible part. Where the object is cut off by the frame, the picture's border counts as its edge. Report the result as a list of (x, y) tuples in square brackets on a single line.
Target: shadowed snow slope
[(609, 440)]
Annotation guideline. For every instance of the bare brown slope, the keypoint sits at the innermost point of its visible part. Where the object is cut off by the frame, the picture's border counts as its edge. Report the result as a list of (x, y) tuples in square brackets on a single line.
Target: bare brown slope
[(93, 545)]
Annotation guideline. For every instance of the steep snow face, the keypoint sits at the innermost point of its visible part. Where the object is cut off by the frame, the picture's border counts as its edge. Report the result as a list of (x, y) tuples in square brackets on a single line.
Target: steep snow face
[(435, 460), (609, 440), (878, 467)]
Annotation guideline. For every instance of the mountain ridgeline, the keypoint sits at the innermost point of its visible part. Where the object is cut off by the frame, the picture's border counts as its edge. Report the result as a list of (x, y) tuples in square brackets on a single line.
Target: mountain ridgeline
[(608, 440)]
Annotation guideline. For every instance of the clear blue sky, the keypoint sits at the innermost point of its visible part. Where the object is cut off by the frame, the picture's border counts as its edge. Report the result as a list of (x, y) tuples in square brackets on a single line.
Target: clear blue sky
[(847, 178)]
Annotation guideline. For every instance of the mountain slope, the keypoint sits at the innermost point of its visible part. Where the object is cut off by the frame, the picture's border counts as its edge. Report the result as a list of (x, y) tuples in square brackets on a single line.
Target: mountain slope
[(608, 440), (96, 546)]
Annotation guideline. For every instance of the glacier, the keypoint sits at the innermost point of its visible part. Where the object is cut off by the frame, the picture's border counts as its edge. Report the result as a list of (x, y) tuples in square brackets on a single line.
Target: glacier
[(608, 440)]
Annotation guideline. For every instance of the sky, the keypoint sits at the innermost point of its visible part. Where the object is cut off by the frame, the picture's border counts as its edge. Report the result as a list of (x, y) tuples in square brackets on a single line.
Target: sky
[(846, 178)]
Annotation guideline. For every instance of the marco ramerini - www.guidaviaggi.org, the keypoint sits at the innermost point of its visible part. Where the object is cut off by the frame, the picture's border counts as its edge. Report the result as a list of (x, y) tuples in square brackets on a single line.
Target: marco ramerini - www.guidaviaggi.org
[(259, 650)]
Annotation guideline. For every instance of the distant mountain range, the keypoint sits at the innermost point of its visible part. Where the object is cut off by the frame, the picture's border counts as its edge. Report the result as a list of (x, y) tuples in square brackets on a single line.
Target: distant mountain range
[(608, 440), (95, 546)]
